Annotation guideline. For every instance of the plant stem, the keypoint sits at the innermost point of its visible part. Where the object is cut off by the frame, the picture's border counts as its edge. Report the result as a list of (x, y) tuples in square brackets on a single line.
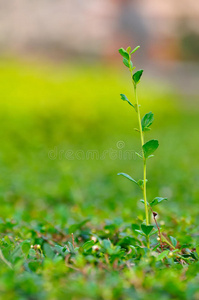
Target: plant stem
[(147, 242), (159, 233), (144, 159)]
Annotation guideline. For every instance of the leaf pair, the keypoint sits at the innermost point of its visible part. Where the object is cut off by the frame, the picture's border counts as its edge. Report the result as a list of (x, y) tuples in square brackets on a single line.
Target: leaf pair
[(125, 53), (155, 201)]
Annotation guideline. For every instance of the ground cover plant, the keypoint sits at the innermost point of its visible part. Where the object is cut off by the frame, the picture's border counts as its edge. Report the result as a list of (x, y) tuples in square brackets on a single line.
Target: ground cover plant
[(71, 228)]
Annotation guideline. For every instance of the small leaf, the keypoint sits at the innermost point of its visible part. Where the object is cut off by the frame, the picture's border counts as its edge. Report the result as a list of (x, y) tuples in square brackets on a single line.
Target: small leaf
[(173, 241), (157, 200), (25, 246), (142, 200), (149, 147), (147, 120), (124, 53), (146, 228), (127, 63), (124, 98), (128, 177), (88, 245), (48, 251), (128, 49), (106, 244), (137, 75), (162, 255), (135, 49)]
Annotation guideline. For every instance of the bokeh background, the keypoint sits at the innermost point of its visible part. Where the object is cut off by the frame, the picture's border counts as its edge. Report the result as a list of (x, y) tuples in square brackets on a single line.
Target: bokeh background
[(60, 80)]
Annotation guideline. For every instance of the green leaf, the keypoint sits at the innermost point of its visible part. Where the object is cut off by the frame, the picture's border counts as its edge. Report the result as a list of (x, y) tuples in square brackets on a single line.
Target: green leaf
[(127, 63), (124, 53), (128, 49), (88, 245), (157, 200), (25, 246), (48, 251), (147, 120), (128, 177), (150, 156), (71, 248), (106, 244), (135, 49), (149, 147), (173, 241), (162, 255), (124, 98), (146, 228), (137, 75)]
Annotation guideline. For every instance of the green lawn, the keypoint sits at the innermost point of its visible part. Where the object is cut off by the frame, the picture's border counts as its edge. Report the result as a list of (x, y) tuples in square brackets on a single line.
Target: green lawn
[(50, 186)]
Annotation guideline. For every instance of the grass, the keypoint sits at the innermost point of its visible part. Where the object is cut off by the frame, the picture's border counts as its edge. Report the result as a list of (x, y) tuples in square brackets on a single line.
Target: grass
[(44, 201)]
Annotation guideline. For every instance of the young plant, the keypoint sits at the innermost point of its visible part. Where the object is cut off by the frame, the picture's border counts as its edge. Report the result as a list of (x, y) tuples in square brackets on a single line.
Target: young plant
[(148, 147)]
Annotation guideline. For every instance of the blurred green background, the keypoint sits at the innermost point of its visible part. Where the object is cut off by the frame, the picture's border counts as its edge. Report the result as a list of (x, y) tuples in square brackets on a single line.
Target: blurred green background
[(48, 110)]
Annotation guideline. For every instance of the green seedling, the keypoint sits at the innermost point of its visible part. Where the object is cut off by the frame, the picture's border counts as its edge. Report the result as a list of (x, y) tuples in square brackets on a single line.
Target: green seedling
[(144, 125)]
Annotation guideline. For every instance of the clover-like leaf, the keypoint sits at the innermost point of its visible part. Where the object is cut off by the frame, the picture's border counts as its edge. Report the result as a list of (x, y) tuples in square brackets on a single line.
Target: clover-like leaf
[(124, 98), (157, 201), (147, 120), (136, 76), (149, 147), (146, 228)]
